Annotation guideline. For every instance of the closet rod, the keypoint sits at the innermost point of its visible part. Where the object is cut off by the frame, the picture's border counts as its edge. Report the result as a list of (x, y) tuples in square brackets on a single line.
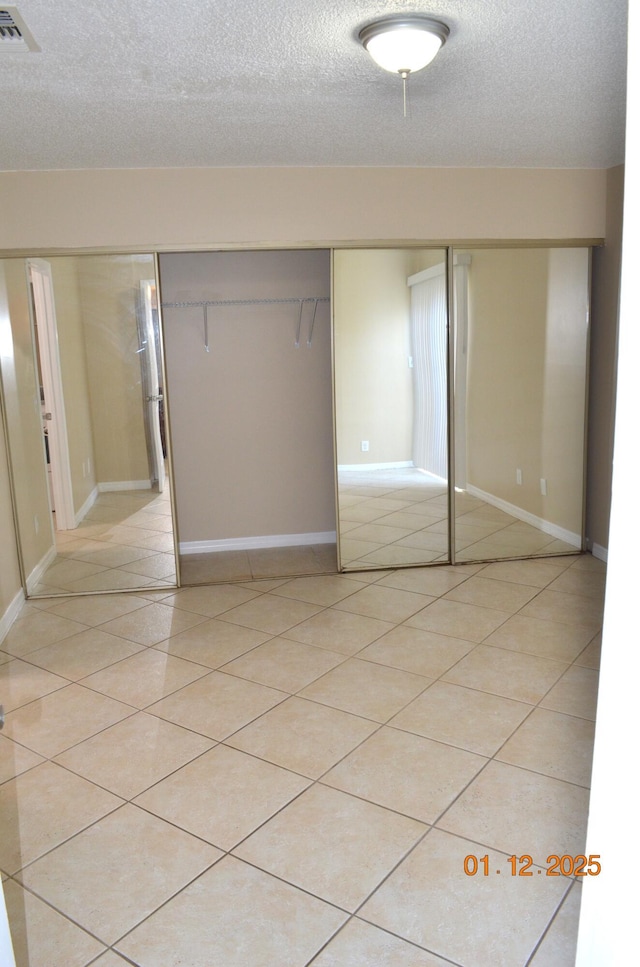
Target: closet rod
[(206, 303)]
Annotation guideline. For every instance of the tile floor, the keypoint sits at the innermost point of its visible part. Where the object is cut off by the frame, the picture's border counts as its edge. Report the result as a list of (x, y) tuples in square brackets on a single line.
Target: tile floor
[(125, 541), (291, 772), (394, 517)]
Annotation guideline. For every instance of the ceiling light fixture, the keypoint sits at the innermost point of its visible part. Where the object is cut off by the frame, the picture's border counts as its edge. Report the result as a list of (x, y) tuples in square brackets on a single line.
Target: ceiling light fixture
[(404, 44)]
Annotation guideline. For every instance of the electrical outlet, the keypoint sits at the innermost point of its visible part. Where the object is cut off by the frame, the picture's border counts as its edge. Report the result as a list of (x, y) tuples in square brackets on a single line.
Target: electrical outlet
[(364, 446), (36, 523), (543, 486), (519, 477)]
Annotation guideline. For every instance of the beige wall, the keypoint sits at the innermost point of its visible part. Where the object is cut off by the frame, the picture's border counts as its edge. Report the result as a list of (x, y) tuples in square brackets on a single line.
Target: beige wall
[(373, 389), (176, 208), (602, 375), (526, 379), (251, 419)]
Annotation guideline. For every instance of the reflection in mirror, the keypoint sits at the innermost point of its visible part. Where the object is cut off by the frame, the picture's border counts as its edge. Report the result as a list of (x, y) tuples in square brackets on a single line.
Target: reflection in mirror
[(83, 386), (520, 383), (390, 366)]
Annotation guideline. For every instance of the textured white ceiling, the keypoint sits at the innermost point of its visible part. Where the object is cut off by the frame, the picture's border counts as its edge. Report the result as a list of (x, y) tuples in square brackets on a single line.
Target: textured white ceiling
[(173, 83)]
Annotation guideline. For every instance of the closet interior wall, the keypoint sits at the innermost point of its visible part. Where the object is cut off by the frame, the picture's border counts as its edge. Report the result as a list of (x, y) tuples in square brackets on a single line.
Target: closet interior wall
[(251, 416)]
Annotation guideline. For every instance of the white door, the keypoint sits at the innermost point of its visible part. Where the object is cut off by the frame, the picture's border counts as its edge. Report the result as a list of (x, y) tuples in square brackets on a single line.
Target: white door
[(151, 379)]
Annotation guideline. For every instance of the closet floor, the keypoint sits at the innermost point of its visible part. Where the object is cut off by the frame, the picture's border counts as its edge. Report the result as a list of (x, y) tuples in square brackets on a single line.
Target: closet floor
[(257, 564)]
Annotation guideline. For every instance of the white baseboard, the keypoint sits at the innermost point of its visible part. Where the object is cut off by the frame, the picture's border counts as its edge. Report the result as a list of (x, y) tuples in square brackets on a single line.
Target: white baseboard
[(110, 485), (560, 533), (36, 575), (404, 465), (254, 543), (86, 507), (598, 551), (11, 614)]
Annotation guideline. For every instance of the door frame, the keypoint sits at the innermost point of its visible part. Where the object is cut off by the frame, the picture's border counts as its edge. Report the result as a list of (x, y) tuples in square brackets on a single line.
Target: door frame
[(44, 325)]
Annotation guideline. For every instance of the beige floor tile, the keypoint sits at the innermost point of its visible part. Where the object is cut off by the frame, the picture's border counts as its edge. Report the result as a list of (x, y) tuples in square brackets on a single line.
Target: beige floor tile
[(303, 736), (535, 573), (155, 566), (37, 630), (487, 593), (145, 677), (323, 589), (380, 533), (288, 561), (213, 643), (21, 683), (218, 705), (210, 601), (42, 937), (223, 796), (558, 947), (60, 720), (587, 562), (539, 636), (339, 631), (581, 581), (576, 693), (284, 664), (367, 689), (112, 555), (64, 573), (97, 608), (426, 580), (553, 744), (462, 717), (15, 759), (387, 604), (361, 944), (521, 812), (234, 915), (406, 773), (270, 613), (420, 652), (83, 654), (590, 657), (209, 568), (154, 748), (151, 624), (458, 620), (524, 678), (114, 579), (118, 871), (42, 808), (111, 959), (573, 609), (431, 902), (331, 844)]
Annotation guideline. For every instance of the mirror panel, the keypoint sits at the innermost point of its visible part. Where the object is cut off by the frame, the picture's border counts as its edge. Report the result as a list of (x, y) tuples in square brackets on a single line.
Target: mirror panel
[(520, 350), (83, 383), (390, 365)]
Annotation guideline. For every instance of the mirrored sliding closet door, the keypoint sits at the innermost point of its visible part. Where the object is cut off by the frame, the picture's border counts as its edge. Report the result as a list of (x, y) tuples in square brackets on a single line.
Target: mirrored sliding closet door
[(83, 385), (486, 416)]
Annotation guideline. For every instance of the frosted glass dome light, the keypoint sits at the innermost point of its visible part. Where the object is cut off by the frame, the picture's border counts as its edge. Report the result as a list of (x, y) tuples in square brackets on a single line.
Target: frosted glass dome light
[(404, 44)]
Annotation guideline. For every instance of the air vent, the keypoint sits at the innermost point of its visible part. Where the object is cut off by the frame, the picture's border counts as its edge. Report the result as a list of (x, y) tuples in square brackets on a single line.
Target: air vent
[(14, 35)]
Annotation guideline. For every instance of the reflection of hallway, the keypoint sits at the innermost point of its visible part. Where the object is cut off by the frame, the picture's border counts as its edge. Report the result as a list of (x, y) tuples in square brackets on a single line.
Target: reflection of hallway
[(125, 541), (392, 517)]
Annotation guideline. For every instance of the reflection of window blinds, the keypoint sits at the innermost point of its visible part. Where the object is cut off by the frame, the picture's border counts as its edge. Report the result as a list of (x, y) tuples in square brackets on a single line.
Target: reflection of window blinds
[(429, 350)]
